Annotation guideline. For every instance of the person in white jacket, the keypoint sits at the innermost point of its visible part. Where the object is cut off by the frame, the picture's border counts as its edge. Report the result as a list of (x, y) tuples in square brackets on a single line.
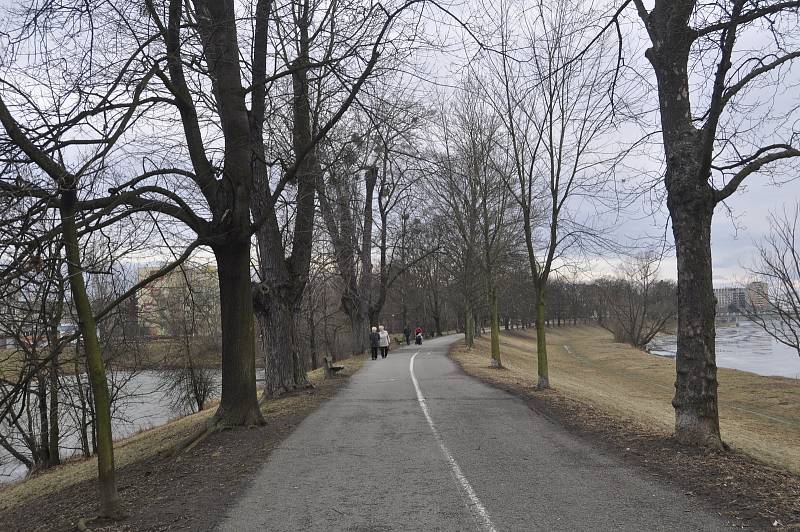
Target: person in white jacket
[(384, 342)]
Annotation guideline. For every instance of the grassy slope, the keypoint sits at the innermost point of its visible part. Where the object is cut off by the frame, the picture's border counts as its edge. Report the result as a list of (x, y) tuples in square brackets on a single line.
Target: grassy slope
[(147, 444), (758, 415)]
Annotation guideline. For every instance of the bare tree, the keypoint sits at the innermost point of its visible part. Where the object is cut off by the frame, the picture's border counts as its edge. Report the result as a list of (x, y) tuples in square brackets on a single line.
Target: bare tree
[(637, 305), (174, 60), (373, 175), (33, 304), (774, 298), (553, 96), (472, 188), (66, 186), (709, 59)]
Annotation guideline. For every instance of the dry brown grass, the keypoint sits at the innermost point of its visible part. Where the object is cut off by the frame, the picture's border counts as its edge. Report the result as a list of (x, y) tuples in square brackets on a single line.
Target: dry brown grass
[(758, 415), (150, 443)]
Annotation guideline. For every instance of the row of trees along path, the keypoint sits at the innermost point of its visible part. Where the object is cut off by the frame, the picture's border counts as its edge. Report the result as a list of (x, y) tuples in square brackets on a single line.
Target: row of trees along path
[(246, 101), (226, 194)]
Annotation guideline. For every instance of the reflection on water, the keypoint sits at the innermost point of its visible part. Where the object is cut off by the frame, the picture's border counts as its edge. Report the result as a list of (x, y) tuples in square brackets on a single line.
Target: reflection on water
[(746, 347)]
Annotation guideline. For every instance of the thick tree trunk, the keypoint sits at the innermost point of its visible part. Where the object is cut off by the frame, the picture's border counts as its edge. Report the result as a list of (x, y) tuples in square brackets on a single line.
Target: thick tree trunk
[(283, 279), (494, 322), (238, 405), (359, 332), (110, 503), (283, 364), (541, 340), (691, 202), (695, 401)]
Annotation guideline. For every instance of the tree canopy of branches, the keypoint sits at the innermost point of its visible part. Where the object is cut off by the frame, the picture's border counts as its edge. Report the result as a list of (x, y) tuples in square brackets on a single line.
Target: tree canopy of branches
[(111, 109), (471, 187)]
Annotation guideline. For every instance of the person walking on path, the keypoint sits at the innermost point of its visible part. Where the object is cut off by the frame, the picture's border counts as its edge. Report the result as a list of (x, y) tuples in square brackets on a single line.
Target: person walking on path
[(407, 334), (384, 341), (374, 342)]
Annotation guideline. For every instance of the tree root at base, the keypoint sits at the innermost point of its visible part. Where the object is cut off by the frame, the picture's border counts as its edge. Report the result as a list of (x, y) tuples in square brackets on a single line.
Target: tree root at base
[(195, 439), (285, 391), (214, 425)]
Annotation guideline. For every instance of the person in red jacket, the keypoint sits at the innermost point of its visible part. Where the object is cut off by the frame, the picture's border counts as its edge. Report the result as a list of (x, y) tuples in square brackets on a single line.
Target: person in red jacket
[(419, 333)]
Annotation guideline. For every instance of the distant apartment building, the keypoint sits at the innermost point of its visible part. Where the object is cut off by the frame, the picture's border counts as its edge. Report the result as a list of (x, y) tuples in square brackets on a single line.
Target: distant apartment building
[(185, 301), (734, 299), (730, 299), (757, 295)]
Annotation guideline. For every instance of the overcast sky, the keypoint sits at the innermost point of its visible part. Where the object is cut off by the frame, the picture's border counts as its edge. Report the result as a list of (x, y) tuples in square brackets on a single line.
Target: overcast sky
[(733, 235), (738, 224)]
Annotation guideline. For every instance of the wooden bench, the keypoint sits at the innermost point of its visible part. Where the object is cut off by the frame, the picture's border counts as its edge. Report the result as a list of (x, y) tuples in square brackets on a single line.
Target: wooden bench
[(330, 369)]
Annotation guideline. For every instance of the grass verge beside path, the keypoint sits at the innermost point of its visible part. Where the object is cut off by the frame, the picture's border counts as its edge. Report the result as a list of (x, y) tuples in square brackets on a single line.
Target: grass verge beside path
[(189, 492), (620, 396)]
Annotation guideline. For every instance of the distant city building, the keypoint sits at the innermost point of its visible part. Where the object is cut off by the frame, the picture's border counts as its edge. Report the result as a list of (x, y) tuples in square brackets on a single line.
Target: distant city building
[(734, 299), (186, 300), (757, 295), (730, 299)]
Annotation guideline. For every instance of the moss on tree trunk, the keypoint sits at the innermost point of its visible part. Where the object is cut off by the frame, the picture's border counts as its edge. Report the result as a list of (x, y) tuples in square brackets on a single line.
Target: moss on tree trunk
[(110, 503)]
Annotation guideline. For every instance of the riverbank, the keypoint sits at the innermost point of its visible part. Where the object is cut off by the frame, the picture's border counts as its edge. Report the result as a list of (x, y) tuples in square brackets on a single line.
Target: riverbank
[(742, 345), (143, 354), (189, 492), (620, 396)]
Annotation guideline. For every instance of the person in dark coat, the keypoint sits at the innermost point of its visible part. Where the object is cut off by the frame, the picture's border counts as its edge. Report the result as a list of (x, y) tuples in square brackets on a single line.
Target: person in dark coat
[(407, 334), (374, 342)]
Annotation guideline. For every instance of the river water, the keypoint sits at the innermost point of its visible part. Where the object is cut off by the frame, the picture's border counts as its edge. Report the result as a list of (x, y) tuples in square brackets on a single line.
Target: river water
[(143, 404), (745, 347)]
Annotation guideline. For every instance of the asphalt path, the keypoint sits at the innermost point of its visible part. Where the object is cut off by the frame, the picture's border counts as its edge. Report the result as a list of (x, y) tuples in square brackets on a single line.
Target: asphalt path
[(412, 443)]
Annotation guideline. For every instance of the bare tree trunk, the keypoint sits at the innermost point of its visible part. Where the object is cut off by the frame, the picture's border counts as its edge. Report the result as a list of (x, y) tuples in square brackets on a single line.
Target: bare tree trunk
[(55, 436), (494, 328), (40, 454), (695, 401), (238, 405), (283, 364), (469, 324), (359, 330), (690, 199), (312, 339), (84, 435), (110, 503), (541, 340)]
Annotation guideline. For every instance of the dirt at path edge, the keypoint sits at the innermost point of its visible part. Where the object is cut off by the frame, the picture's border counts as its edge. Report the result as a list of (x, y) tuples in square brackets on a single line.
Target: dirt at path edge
[(190, 492)]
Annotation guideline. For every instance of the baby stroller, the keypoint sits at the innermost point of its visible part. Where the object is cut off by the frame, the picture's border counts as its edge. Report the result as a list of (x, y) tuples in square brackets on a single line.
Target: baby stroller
[(419, 339)]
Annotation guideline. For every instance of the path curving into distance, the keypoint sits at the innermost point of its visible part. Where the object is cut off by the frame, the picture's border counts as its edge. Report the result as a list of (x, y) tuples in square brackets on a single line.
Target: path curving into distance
[(412, 443)]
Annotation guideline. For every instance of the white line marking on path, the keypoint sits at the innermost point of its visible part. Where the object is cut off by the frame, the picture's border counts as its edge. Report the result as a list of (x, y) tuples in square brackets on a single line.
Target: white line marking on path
[(475, 505)]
